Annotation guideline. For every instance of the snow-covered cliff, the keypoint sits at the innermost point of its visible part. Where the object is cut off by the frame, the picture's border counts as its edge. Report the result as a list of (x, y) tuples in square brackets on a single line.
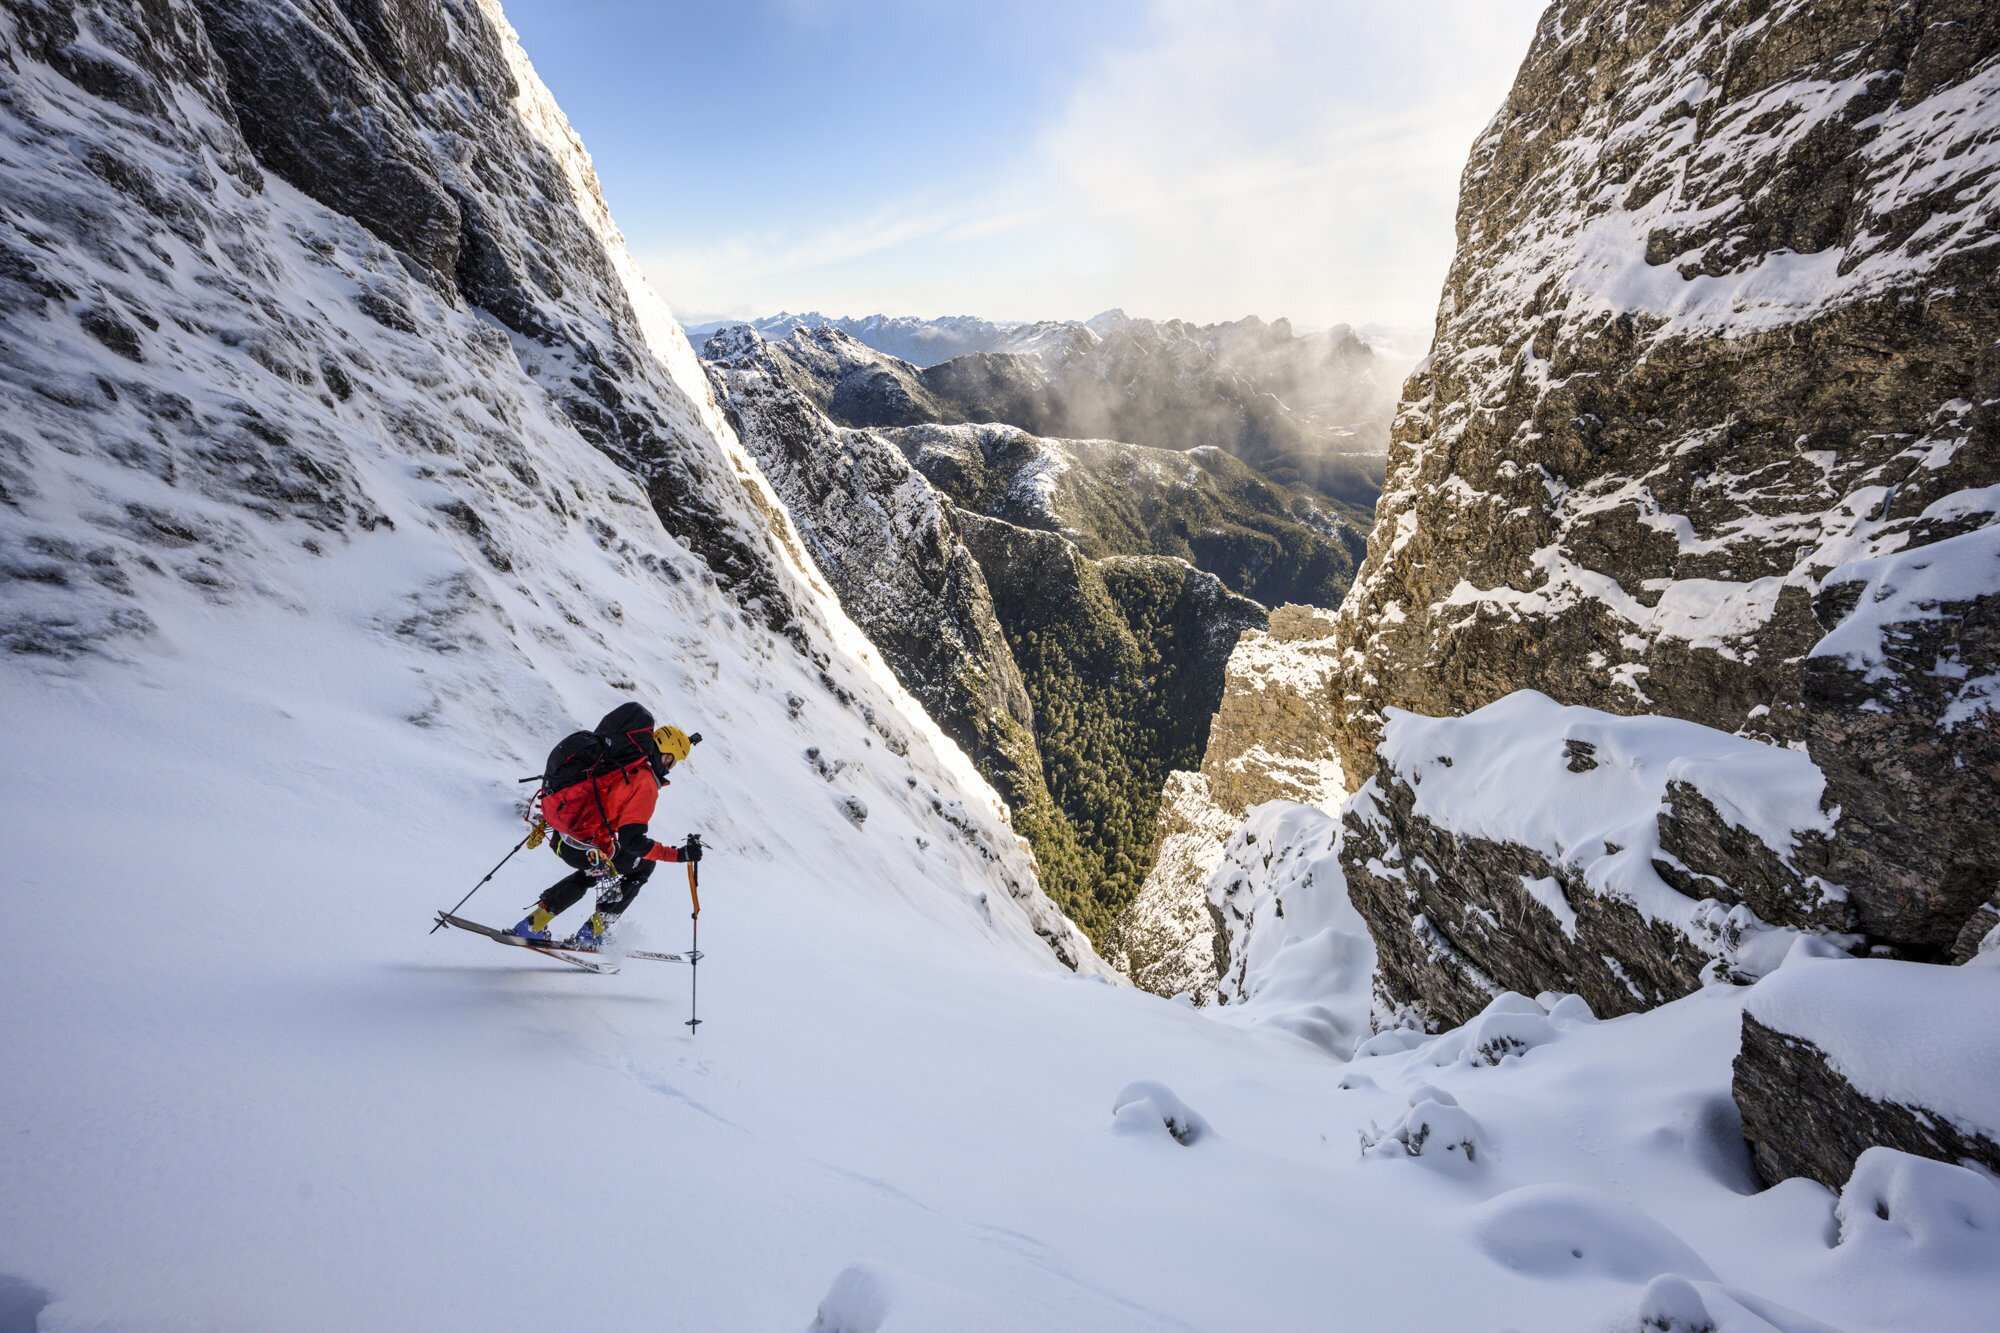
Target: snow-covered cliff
[(1709, 425)]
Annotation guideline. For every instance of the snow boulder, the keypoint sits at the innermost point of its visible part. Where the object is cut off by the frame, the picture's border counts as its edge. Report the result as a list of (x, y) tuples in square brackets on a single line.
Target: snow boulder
[(1672, 1304), (857, 1302), (1563, 1232), (1435, 1129), (1529, 846), (1510, 1025), (876, 1298), (1919, 1211), (1146, 1108), (1841, 1054)]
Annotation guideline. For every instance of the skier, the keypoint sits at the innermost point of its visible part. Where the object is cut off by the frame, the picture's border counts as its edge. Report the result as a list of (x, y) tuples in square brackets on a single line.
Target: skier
[(597, 795)]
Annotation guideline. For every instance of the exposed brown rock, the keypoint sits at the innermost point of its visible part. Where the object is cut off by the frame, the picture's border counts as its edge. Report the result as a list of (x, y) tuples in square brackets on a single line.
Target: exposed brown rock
[(1802, 1118)]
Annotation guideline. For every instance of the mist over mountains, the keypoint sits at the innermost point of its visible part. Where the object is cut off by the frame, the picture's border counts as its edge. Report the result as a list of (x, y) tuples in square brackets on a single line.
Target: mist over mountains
[(1307, 410)]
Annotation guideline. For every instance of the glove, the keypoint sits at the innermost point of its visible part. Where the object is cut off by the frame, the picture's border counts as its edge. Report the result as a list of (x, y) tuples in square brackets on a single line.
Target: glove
[(536, 834), (691, 849)]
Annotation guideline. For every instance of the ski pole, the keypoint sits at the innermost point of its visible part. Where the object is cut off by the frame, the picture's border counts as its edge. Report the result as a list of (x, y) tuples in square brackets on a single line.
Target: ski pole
[(694, 948), (489, 875)]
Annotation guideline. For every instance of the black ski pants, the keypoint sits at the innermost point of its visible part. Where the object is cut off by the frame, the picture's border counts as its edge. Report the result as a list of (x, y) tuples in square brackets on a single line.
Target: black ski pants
[(613, 895)]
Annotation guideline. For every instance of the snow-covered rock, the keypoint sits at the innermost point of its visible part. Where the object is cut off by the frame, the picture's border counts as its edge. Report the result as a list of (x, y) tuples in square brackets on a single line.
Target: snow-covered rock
[(1902, 704), (1147, 1108), (1924, 1213), (1714, 346), (1435, 1129), (1529, 846), (1673, 1304), (1573, 1232), (1842, 1054)]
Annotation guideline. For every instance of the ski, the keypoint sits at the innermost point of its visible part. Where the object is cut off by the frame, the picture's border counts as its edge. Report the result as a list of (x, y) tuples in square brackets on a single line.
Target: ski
[(546, 948), (565, 949), (647, 955)]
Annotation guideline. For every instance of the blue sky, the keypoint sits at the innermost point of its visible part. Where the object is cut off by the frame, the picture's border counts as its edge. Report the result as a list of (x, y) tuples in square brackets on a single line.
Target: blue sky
[(1034, 159)]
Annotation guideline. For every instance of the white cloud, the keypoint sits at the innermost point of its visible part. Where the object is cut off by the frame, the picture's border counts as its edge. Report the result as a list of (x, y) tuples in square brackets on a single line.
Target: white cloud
[(1270, 157)]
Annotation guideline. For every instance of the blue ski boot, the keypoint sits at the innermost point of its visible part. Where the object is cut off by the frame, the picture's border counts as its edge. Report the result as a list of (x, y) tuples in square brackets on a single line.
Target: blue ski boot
[(535, 925), (591, 936)]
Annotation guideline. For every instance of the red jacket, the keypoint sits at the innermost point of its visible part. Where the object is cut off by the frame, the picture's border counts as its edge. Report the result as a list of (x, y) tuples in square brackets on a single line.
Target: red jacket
[(611, 812)]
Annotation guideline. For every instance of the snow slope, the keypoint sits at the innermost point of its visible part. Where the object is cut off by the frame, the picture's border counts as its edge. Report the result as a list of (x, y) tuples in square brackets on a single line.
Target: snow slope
[(249, 1091)]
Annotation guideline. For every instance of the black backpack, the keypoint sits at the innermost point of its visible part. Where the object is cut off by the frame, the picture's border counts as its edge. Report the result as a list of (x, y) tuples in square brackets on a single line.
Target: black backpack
[(624, 736)]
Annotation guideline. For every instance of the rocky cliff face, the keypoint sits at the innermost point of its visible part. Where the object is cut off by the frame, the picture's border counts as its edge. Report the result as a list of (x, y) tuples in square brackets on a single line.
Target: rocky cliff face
[(1708, 428), (311, 314)]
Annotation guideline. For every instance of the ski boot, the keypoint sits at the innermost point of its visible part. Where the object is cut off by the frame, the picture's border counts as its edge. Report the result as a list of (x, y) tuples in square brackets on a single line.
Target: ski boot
[(535, 925), (591, 936)]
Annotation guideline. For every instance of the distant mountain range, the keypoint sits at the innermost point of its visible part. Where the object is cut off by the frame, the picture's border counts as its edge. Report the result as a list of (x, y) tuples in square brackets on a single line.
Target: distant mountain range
[(926, 342), (921, 342), (1309, 410)]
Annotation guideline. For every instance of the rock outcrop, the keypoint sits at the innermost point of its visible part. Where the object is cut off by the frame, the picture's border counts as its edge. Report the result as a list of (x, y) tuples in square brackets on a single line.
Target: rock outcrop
[(1842, 1055), (1627, 860), (1899, 702), (1709, 424)]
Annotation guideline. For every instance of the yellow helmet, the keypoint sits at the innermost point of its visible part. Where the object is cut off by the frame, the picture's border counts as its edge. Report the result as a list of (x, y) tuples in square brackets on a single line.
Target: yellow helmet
[(673, 742)]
